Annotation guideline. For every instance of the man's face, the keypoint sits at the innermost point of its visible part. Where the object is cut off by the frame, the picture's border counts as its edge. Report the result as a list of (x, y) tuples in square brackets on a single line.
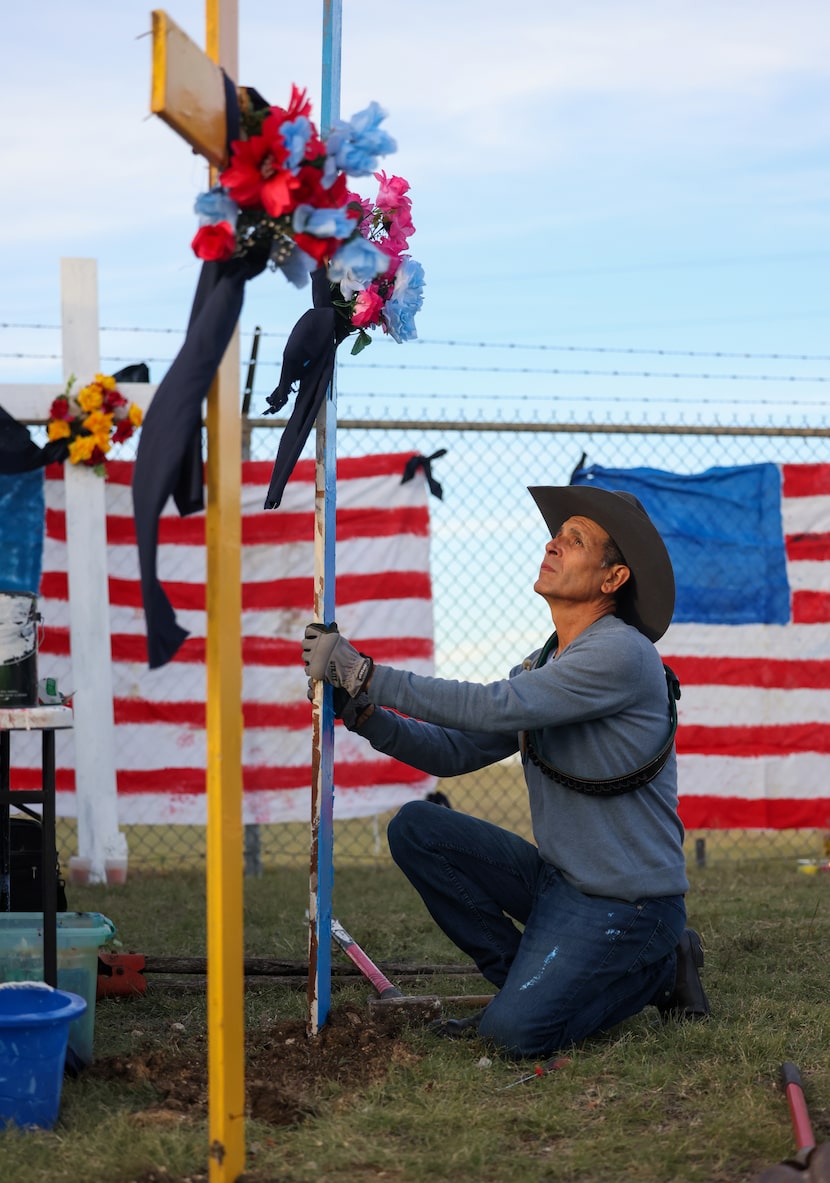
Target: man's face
[(572, 567)]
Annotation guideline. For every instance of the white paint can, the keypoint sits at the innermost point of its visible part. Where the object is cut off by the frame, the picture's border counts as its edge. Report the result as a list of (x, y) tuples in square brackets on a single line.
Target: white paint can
[(19, 620)]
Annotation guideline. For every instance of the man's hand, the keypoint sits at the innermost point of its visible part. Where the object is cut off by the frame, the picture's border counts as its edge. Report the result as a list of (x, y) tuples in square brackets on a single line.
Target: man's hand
[(329, 656), (353, 711)]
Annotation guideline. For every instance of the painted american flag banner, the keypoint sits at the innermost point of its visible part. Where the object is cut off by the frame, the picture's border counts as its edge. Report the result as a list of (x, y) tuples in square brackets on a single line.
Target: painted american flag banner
[(384, 598), (750, 637)]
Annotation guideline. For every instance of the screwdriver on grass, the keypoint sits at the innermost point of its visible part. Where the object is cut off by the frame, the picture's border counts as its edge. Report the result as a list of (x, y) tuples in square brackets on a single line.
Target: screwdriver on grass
[(540, 1070)]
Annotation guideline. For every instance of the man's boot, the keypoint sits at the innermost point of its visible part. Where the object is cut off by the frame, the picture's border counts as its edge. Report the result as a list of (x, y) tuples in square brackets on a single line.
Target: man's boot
[(688, 999)]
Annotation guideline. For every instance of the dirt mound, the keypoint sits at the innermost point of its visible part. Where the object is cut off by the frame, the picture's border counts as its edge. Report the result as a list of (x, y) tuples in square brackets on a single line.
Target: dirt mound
[(286, 1071)]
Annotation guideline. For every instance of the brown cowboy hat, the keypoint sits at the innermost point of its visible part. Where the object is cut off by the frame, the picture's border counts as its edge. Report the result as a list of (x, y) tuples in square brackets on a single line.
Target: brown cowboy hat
[(647, 599)]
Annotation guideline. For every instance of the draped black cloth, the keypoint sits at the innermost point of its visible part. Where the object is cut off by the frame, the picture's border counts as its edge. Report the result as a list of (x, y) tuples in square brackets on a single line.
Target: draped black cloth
[(169, 458), (308, 363)]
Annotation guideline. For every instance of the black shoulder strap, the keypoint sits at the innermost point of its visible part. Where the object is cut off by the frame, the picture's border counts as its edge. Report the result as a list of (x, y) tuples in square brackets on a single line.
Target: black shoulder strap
[(617, 785)]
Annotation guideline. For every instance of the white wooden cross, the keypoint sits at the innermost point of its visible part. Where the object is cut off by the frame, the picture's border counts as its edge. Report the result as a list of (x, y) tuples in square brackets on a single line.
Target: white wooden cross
[(96, 799)]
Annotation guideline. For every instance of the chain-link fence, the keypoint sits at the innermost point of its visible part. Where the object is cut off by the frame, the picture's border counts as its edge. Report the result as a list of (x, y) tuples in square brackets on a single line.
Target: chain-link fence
[(487, 538)]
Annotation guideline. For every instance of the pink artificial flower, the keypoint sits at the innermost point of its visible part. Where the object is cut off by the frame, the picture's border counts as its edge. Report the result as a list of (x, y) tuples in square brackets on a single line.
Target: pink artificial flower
[(395, 205), (390, 191), (394, 250), (367, 308), (365, 203)]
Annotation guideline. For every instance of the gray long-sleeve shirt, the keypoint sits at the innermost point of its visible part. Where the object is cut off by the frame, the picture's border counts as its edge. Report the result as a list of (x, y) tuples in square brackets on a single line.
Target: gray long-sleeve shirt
[(600, 709)]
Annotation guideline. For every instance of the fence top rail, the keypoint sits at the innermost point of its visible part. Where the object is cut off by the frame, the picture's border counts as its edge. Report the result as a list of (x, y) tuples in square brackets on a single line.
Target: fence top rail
[(552, 428), (565, 428)]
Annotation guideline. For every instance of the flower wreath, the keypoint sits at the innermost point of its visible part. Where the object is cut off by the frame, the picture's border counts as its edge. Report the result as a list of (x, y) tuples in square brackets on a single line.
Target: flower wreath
[(286, 186), (92, 420)]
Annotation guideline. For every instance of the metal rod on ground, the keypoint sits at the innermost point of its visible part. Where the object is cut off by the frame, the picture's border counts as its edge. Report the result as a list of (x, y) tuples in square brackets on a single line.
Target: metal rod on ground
[(540, 1070), (253, 834)]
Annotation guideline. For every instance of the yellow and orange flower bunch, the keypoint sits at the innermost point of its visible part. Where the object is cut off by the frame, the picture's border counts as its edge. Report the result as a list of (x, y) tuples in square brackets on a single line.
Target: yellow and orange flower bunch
[(92, 420)]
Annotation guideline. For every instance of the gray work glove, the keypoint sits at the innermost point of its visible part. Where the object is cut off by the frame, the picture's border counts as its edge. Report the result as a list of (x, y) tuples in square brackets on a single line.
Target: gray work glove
[(329, 656)]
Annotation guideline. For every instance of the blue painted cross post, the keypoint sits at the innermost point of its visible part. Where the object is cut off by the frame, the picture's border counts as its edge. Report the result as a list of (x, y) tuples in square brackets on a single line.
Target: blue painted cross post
[(321, 878)]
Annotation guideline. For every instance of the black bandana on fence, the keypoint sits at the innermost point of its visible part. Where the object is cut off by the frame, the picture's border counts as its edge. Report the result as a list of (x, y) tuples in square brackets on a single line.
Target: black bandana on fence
[(425, 463)]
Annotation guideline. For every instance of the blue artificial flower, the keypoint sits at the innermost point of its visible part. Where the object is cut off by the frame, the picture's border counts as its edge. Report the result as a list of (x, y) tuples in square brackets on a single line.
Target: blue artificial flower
[(216, 206), (322, 223), (297, 266), (295, 134), (407, 298), (354, 146), (356, 264)]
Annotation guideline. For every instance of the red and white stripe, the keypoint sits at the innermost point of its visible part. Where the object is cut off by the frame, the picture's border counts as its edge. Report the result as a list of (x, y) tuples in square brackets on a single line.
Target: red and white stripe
[(384, 604), (753, 740)]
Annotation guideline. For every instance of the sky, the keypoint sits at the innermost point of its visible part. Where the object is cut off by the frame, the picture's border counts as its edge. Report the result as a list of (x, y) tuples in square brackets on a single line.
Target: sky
[(606, 195)]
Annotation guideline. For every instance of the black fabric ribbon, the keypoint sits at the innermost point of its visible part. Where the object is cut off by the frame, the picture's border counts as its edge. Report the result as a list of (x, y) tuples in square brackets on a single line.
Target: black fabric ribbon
[(308, 363), (231, 111), (19, 453), (169, 458), (425, 463)]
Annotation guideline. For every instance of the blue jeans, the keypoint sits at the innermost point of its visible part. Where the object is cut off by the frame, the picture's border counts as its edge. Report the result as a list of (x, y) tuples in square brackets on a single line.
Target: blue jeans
[(581, 964)]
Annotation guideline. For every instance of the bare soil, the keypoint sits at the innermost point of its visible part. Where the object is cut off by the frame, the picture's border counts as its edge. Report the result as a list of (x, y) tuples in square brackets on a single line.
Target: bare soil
[(287, 1071)]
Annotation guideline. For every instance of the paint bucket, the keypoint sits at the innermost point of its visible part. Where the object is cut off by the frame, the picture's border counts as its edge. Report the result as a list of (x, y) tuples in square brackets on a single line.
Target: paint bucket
[(34, 1035), (19, 620)]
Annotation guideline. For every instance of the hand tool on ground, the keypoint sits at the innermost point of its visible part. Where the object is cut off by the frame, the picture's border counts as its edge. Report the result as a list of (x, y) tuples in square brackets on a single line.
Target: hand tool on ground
[(390, 998), (811, 1163), (540, 1070)]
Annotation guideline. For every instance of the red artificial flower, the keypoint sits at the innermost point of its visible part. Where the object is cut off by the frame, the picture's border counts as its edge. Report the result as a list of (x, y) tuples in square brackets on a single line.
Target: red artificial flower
[(299, 103), (123, 430), (278, 194), (112, 400), (214, 243), (320, 249), (60, 408), (242, 178)]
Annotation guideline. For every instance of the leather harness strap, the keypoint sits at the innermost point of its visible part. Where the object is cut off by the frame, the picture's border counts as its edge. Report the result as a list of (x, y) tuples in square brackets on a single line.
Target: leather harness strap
[(609, 786)]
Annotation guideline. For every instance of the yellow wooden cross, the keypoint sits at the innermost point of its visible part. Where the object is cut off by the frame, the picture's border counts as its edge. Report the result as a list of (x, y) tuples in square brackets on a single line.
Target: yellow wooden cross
[(188, 93)]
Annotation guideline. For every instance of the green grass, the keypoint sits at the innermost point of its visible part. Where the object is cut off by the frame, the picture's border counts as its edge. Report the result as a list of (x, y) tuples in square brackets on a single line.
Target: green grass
[(647, 1102)]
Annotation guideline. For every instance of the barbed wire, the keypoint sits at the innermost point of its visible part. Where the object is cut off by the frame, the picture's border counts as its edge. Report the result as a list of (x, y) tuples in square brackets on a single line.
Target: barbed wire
[(514, 397), (745, 355), (552, 371)]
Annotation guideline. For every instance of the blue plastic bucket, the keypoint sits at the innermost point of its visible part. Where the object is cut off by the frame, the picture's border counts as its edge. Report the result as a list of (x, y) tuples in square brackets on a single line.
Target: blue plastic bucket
[(34, 1033)]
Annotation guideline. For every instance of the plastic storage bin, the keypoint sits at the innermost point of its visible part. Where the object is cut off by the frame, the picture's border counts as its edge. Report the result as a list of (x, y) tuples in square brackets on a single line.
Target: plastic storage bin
[(80, 936), (34, 1034)]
